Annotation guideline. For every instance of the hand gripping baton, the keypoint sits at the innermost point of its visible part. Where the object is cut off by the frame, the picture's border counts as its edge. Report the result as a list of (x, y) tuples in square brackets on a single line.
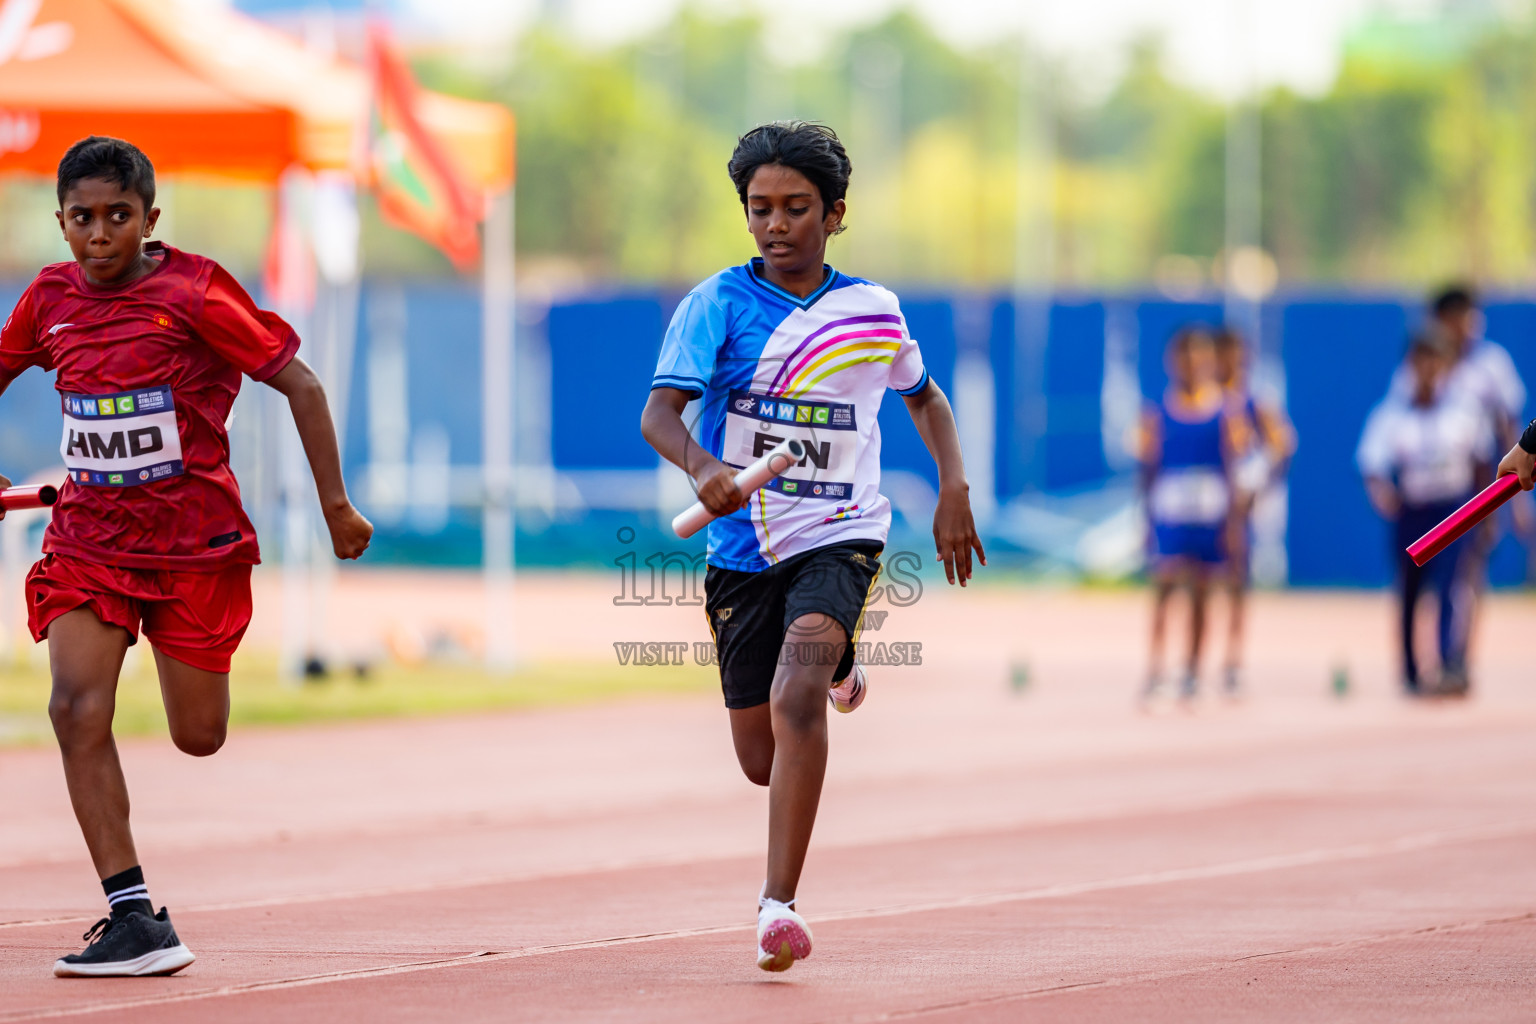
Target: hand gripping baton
[(1463, 519), (772, 464), (13, 498)]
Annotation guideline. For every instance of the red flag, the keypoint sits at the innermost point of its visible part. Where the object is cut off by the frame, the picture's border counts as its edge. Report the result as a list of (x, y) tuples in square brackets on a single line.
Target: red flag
[(417, 185), (288, 273)]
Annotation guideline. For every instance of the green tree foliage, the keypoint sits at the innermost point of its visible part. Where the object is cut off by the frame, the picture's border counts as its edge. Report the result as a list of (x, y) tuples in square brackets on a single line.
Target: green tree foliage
[(1344, 174), (1405, 171), (1417, 164)]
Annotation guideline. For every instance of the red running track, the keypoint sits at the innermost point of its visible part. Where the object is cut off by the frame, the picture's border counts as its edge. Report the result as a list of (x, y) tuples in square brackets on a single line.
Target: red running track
[(983, 855)]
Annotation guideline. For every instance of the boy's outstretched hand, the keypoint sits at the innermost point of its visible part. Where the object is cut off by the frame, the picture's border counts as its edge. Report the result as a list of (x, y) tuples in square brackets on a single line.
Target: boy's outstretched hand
[(350, 531), (954, 534), (1519, 462)]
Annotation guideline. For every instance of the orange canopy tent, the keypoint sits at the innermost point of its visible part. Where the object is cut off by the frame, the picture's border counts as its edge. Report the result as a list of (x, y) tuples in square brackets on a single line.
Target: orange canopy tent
[(203, 89)]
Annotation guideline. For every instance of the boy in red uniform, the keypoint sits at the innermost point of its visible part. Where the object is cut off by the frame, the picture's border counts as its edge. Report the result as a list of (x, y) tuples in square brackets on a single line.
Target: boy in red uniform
[(149, 343)]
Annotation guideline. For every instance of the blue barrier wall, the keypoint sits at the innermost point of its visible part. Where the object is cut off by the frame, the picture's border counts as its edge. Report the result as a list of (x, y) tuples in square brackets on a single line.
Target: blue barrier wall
[(602, 355), (1073, 448), (1068, 453), (1338, 358), (932, 323), (442, 366), (598, 355), (1513, 325)]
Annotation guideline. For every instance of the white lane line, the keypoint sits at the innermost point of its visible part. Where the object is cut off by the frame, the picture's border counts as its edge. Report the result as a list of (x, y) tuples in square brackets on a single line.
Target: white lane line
[(913, 1013), (601, 867), (1250, 866), (1167, 809)]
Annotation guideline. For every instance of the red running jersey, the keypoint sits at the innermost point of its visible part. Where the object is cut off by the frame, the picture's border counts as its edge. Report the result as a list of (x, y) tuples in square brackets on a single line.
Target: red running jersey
[(147, 373)]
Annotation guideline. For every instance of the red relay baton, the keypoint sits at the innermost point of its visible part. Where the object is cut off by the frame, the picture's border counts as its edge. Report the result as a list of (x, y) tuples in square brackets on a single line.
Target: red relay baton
[(1463, 519), (13, 498)]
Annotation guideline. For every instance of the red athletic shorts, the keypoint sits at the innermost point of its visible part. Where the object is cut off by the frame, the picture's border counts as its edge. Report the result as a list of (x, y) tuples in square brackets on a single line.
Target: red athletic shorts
[(195, 617)]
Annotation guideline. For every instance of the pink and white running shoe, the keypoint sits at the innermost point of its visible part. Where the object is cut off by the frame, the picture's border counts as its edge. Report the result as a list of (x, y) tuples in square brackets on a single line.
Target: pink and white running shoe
[(782, 936), (849, 693)]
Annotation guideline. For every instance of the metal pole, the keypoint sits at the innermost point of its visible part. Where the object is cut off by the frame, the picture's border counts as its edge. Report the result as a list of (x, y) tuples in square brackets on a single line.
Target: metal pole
[(975, 401), (294, 488), (875, 112), (1242, 238), (1034, 267), (335, 238), (498, 521)]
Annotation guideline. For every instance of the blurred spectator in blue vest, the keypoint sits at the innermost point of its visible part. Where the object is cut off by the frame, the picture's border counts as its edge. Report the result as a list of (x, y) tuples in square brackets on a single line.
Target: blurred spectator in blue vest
[(1188, 450)]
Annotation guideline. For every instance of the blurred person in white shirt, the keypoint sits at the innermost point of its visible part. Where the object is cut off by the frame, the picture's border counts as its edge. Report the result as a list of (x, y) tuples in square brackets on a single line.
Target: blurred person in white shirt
[(1481, 370), (1483, 374), (1422, 456)]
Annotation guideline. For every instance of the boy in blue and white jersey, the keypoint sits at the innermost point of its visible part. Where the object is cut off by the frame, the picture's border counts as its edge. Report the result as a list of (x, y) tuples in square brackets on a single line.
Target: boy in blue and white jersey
[(771, 365), (784, 347)]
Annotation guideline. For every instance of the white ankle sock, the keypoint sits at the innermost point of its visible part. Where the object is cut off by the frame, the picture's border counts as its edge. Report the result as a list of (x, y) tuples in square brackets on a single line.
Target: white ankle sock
[(764, 901)]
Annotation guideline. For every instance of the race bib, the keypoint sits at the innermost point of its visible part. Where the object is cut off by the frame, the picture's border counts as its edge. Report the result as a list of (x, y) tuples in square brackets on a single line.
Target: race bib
[(1194, 497), (121, 440), (755, 424)]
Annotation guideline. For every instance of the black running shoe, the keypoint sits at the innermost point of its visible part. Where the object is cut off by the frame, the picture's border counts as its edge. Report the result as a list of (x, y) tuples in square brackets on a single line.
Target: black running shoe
[(128, 946)]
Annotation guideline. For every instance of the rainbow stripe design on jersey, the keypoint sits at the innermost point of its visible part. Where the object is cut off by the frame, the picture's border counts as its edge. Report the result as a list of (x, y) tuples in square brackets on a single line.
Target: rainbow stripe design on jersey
[(819, 357), (844, 512)]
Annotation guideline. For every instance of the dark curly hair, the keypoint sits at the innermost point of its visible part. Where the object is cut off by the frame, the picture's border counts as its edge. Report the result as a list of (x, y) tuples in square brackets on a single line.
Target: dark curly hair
[(100, 156), (1453, 300), (812, 149), (1190, 333)]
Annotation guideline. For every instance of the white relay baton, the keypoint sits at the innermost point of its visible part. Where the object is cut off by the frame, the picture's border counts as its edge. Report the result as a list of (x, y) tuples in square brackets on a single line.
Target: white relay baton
[(772, 464)]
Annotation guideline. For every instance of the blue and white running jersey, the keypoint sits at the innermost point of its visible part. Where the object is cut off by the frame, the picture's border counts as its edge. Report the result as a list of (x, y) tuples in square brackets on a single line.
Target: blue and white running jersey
[(770, 365)]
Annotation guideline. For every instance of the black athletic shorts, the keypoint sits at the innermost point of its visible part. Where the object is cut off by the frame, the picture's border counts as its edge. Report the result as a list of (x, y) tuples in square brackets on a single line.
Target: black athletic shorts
[(749, 612)]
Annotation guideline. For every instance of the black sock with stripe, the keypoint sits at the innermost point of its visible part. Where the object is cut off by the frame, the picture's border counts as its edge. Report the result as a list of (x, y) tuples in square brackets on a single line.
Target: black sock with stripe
[(126, 892)]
